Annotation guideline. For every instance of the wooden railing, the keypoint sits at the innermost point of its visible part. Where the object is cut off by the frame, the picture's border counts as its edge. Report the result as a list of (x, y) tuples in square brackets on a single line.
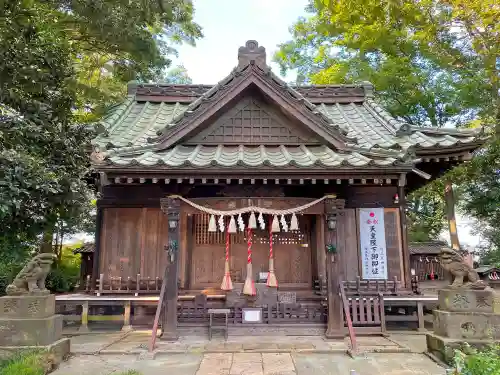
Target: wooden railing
[(270, 314), (347, 315), (192, 310), (119, 285)]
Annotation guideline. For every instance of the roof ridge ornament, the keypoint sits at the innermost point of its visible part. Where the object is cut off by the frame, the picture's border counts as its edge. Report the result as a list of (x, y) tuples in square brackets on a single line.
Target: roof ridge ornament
[(251, 53)]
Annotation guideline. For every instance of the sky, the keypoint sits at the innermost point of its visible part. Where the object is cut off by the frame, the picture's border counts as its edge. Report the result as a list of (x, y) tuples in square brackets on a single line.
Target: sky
[(227, 25)]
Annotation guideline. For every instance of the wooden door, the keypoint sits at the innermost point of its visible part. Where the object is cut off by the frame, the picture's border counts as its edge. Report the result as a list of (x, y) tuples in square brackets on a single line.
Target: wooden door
[(292, 254)]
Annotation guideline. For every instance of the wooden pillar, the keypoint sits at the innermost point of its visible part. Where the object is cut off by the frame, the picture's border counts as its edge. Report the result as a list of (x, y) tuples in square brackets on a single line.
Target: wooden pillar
[(450, 215), (84, 327), (335, 323), (320, 253), (97, 247), (404, 231), (126, 316), (169, 322)]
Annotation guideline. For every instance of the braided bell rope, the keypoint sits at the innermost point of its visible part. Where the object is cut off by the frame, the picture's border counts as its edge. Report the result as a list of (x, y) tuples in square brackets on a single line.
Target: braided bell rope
[(243, 210)]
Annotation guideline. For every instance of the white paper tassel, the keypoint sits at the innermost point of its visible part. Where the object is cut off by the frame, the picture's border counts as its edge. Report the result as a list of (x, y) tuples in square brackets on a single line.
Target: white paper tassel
[(241, 223), (261, 221), (232, 225), (212, 227), (284, 224), (221, 223), (294, 223), (275, 227), (252, 224)]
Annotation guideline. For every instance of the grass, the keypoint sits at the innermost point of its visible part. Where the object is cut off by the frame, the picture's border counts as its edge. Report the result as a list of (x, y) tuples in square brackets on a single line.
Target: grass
[(27, 363), (36, 363)]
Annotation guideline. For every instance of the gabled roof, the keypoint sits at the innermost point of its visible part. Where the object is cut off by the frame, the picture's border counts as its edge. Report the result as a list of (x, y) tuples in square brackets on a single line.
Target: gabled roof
[(87, 247), (427, 248), (151, 126)]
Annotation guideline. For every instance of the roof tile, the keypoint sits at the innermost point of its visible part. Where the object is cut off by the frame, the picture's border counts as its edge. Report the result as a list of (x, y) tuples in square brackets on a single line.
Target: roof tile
[(227, 156)]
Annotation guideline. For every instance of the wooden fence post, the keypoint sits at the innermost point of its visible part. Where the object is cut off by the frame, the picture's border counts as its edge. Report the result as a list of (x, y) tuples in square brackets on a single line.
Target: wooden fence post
[(84, 327), (126, 316)]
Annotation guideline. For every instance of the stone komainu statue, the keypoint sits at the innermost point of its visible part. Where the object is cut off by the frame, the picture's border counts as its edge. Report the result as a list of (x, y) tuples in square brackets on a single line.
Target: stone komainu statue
[(453, 262), (31, 279)]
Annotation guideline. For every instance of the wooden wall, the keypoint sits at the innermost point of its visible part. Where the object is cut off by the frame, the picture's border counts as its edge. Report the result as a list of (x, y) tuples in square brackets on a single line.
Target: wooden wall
[(292, 255), (132, 242), (348, 244)]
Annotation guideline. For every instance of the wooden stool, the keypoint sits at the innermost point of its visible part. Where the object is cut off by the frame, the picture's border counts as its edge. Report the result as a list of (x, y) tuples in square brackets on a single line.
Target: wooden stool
[(213, 312)]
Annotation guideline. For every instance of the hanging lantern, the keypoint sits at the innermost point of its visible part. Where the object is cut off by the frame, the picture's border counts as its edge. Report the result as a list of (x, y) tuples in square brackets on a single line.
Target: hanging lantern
[(261, 221), (275, 226), (221, 223), (241, 223), (212, 227), (284, 224), (252, 224), (294, 223), (232, 225)]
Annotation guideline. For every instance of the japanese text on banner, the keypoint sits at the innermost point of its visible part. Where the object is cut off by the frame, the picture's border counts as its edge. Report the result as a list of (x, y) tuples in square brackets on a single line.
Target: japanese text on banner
[(372, 243)]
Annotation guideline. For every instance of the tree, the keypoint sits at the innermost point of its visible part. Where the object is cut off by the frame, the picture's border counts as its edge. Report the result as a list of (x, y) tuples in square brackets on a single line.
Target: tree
[(432, 62), (482, 199), (426, 213), (177, 76), (61, 63)]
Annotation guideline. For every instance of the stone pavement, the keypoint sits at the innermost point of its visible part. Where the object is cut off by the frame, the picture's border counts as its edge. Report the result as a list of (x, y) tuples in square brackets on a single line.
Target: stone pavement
[(107, 353), (137, 343), (253, 364)]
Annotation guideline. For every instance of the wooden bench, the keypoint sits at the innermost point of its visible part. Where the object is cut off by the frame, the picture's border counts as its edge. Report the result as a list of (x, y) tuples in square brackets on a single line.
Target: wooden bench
[(393, 296), (364, 314)]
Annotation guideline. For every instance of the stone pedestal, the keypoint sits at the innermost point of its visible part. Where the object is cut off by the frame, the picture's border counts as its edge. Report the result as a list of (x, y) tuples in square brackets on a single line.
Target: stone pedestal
[(464, 316), (28, 322)]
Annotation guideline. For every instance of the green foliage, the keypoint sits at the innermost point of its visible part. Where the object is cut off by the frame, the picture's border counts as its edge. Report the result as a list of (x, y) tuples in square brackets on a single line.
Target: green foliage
[(483, 362), (177, 76), (482, 198), (13, 253), (65, 273), (432, 63), (62, 63), (407, 52), (27, 363), (426, 213)]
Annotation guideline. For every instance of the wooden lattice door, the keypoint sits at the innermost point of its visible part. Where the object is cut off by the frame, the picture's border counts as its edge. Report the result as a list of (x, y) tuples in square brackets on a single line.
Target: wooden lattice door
[(292, 253)]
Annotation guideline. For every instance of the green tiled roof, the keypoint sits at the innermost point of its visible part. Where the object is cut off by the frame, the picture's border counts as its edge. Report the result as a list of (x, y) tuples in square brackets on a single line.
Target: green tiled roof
[(142, 130), (274, 156), (132, 123)]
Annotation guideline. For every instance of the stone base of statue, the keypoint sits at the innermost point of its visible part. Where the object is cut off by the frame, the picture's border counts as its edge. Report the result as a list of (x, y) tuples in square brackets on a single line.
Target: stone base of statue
[(30, 322), (464, 316)]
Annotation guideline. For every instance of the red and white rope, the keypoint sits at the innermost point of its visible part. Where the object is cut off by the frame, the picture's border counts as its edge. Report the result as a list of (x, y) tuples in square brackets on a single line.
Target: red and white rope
[(249, 250)]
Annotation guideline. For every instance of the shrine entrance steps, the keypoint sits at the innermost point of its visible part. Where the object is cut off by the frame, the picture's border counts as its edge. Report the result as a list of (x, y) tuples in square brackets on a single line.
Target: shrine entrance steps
[(136, 343)]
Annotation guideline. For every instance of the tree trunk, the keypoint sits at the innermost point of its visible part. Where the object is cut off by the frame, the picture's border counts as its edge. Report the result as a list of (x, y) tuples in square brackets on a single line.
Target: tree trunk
[(450, 215), (46, 245)]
